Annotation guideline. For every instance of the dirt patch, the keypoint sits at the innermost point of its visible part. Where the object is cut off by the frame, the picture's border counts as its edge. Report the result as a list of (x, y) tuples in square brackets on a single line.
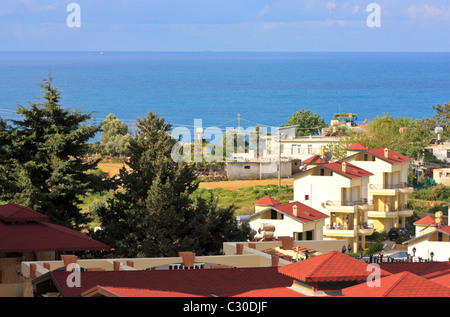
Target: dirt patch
[(235, 185), (113, 169)]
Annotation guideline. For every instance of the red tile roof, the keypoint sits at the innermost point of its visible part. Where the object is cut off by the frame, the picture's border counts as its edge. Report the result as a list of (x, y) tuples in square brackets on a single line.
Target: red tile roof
[(43, 236), (438, 272), (202, 282), (267, 201), (403, 284), (393, 157), (428, 220), (272, 292), (316, 159), (332, 266), (14, 213), (305, 213), (140, 292), (357, 147), (352, 170), (445, 229)]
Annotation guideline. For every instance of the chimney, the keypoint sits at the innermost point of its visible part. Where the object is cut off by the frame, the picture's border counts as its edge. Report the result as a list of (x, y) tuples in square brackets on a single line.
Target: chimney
[(295, 210), (344, 167), (386, 153)]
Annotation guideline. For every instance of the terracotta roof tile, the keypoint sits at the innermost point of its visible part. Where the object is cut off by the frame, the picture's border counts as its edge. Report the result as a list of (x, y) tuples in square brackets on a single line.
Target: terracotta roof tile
[(357, 147), (305, 213), (316, 159), (351, 172), (332, 266), (202, 282), (405, 284), (14, 213), (428, 220), (393, 157), (267, 201), (29, 237), (272, 292), (438, 272)]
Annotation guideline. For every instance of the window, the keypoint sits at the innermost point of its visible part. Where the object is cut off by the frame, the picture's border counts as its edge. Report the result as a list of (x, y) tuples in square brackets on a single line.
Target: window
[(448, 153), (273, 214), (439, 236), (322, 172), (366, 157), (309, 235), (309, 148), (247, 167), (299, 235), (306, 197)]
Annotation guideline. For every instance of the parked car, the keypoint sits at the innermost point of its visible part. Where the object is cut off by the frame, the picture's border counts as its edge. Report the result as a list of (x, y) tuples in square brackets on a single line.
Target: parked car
[(399, 256), (396, 233)]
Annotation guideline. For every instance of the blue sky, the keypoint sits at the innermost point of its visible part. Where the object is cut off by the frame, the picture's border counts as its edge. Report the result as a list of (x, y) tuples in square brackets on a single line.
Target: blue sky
[(224, 25)]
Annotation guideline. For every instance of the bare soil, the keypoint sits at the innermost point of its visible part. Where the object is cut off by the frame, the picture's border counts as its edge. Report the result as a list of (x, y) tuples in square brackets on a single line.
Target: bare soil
[(113, 169)]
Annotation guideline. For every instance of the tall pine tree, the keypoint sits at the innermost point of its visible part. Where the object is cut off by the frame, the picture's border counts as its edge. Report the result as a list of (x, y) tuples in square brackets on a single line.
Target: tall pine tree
[(45, 158), (153, 213)]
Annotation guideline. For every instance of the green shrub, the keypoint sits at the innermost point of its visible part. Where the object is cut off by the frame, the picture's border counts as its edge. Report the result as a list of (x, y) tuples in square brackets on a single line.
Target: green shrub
[(377, 247)]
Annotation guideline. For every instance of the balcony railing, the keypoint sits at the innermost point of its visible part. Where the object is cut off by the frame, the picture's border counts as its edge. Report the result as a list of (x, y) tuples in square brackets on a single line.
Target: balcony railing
[(364, 225), (350, 203), (395, 186)]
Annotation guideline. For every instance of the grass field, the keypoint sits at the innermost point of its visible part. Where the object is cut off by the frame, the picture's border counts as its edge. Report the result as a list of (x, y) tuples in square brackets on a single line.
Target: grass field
[(240, 193)]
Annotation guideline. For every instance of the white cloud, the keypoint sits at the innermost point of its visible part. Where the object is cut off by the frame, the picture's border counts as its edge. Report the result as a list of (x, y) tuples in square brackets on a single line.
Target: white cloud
[(331, 5), (428, 11)]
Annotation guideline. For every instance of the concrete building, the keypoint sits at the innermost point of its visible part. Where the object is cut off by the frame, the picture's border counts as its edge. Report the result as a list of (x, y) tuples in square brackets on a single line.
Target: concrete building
[(442, 176), (261, 169), (338, 189), (388, 185), (292, 219), (432, 240)]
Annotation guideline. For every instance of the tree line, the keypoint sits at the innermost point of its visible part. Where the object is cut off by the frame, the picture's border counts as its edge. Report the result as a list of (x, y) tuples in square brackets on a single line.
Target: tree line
[(43, 166)]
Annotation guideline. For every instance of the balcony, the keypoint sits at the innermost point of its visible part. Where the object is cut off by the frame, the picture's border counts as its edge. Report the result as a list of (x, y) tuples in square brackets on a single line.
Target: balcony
[(338, 230), (390, 190), (349, 205), (392, 212)]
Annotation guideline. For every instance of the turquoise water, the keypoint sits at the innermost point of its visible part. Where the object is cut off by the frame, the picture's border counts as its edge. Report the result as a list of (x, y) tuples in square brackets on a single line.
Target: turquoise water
[(265, 88)]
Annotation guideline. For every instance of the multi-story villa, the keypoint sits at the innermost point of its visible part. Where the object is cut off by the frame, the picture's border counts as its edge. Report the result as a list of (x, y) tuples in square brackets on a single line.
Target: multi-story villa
[(388, 185), (339, 189)]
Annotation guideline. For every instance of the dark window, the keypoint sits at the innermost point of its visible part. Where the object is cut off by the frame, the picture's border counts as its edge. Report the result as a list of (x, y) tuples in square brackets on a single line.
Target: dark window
[(306, 197), (247, 167), (448, 153), (309, 235), (273, 214), (439, 236), (300, 236), (366, 157), (322, 172)]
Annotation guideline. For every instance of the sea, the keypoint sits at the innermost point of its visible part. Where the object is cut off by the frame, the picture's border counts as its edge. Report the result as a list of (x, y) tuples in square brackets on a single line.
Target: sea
[(229, 89)]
